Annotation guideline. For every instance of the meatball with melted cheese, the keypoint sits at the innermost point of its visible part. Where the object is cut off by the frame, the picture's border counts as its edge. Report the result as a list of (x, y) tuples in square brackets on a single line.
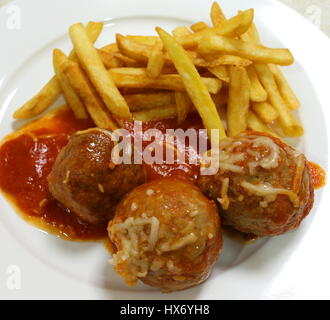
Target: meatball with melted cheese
[(167, 234), (262, 187), (85, 180)]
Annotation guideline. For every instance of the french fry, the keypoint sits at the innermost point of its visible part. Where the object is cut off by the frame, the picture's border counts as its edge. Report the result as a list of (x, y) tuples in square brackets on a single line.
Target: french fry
[(211, 43), (128, 62), (225, 60), (164, 112), (141, 52), (110, 48), (255, 124), (257, 92), (148, 40), (265, 111), (289, 124), (71, 98), (217, 15), (97, 73), (253, 34), (183, 105), (285, 89), (133, 49), (41, 101), (138, 78), (110, 60), (193, 83), (233, 27), (199, 26), (87, 94), (155, 62), (142, 101), (238, 101), (181, 32), (52, 90), (220, 72)]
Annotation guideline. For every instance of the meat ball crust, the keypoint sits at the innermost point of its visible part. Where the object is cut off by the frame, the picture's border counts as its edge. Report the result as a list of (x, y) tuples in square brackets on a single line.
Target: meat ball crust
[(85, 180), (167, 234), (252, 165)]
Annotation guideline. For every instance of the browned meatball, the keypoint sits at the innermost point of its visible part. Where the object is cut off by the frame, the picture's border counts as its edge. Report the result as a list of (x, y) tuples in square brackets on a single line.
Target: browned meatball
[(85, 179), (263, 186), (167, 234)]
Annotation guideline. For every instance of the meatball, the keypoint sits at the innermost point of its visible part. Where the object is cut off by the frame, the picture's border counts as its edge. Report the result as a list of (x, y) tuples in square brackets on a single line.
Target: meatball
[(262, 187), (167, 234), (85, 180)]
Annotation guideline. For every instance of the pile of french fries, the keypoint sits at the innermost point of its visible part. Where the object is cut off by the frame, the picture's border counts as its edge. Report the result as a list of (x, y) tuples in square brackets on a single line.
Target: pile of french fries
[(222, 69)]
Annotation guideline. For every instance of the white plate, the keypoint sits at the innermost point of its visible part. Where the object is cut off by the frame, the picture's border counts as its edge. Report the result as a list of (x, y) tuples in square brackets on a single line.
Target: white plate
[(295, 265)]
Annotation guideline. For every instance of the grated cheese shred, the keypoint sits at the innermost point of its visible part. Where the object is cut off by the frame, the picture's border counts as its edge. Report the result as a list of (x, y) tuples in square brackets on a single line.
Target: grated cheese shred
[(266, 190)]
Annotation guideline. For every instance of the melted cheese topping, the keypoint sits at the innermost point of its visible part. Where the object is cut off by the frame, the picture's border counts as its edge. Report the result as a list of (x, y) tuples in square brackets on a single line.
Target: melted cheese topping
[(266, 190), (137, 237), (254, 156), (153, 236), (224, 200), (179, 244)]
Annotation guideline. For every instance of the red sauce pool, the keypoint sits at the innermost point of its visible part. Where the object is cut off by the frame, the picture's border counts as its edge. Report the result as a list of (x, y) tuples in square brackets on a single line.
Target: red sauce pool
[(26, 161), (27, 157)]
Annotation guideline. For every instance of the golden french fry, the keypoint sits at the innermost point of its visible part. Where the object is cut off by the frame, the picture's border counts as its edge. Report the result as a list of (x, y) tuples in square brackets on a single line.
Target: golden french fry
[(289, 124), (138, 78), (155, 62), (253, 34), (41, 101), (52, 90), (285, 89), (97, 73), (217, 15), (211, 43), (181, 32), (148, 40), (183, 105), (233, 27), (110, 60), (193, 83), (141, 101), (257, 92), (224, 60), (220, 72), (161, 113), (71, 98), (255, 124), (238, 101), (93, 30), (87, 94), (265, 111), (128, 62), (133, 49), (141, 52), (110, 48), (199, 26)]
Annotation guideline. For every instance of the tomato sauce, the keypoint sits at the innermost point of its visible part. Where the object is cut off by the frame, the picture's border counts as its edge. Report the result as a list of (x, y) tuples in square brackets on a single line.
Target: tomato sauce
[(318, 175), (27, 157), (188, 169)]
